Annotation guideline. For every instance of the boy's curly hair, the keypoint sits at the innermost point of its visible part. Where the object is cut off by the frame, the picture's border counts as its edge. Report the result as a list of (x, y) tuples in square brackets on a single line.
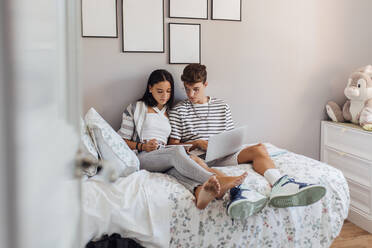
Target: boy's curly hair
[(194, 73)]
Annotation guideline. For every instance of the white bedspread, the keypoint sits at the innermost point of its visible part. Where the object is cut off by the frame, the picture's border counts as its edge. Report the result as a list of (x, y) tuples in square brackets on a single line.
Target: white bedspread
[(159, 212), (136, 207)]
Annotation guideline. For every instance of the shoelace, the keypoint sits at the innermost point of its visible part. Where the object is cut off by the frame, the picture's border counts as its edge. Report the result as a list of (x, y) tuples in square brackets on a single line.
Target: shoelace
[(236, 192), (301, 185)]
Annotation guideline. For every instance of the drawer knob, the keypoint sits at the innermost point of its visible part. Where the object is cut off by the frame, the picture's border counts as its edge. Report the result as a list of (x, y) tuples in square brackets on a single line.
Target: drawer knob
[(341, 153)]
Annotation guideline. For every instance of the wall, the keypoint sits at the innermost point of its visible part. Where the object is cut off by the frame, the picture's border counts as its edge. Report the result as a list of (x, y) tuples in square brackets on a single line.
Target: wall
[(277, 68)]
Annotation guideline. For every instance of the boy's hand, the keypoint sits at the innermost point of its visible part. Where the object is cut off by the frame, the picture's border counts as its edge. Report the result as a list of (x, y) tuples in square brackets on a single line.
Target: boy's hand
[(201, 144)]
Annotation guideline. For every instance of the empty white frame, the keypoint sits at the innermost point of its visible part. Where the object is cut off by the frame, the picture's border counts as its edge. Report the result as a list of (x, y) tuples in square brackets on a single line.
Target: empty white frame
[(184, 43), (191, 9), (143, 26), (228, 10), (98, 18)]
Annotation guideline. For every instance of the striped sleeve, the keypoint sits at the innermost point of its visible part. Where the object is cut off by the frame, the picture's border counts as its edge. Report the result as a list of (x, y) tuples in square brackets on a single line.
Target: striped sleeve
[(176, 124), (229, 121), (127, 125)]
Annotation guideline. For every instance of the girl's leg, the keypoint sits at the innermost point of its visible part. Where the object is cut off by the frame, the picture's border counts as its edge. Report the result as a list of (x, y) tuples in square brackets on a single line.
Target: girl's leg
[(164, 159), (188, 167), (226, 182), (205, 193)]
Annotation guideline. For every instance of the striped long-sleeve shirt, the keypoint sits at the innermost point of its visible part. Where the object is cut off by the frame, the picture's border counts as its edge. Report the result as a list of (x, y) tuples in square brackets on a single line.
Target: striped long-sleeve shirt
[(200, 121), (132, 123)]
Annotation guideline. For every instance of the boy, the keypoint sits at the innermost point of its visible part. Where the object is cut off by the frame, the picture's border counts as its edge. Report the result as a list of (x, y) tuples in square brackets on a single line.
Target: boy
[(197, 118)]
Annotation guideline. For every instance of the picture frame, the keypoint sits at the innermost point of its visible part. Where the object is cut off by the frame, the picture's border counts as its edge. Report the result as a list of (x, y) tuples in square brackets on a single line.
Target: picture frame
[(143, 26), (99, 19), (184, 43), (190, 9), (226, 10)]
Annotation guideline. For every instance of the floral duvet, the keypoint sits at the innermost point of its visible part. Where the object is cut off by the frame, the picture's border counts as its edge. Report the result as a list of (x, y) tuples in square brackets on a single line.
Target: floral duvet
[(156, 210), (311, 226)]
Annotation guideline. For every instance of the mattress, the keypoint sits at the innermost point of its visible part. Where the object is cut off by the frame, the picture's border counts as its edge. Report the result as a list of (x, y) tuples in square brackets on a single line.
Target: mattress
[(157, 211)]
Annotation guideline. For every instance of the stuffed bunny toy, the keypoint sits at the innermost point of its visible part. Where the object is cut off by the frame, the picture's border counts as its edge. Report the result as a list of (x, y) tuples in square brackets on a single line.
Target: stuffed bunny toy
[(358, 107)]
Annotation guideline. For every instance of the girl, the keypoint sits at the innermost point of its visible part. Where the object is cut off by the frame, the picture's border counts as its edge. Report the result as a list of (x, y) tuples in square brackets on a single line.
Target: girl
[(145, 127)]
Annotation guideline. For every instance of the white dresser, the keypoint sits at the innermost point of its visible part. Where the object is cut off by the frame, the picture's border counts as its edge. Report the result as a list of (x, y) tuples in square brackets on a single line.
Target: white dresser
[(349, 148)]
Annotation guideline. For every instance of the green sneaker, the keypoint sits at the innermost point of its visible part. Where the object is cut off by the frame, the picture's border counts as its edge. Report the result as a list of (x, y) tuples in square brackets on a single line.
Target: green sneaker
[(244, 203), (286, 192)]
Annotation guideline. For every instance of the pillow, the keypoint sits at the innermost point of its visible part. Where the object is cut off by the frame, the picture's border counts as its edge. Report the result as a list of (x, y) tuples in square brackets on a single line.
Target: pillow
[(87, 151), (111, 147)]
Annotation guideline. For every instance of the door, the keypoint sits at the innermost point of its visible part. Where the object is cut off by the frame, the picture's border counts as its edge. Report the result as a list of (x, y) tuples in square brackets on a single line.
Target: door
[(40, 120)]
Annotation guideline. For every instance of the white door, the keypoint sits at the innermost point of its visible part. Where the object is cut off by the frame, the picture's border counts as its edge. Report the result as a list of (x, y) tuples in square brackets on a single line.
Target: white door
[(40, 119)]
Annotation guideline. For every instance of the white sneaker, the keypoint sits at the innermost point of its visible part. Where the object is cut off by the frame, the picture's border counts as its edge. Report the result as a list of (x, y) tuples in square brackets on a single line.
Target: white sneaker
[(244, 203), (286, 192)]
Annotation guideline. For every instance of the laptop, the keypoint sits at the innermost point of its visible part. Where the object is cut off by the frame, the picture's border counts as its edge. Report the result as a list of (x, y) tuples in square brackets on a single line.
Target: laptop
[(223, 144)]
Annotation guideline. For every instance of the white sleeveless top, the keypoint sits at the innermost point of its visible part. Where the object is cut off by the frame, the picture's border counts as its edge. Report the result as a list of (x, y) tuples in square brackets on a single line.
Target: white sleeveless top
[(156, 126)]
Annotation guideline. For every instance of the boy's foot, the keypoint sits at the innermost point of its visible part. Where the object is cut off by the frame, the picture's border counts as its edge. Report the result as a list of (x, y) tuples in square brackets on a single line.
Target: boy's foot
[(244, 203), (209, 190), (228, 182), (286, 192)]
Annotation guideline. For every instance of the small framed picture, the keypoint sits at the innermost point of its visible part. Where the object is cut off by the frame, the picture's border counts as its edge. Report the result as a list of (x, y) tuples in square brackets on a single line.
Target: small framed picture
[(143, 26), (98, 18), (184, 43), (227, 10), (190, 9)]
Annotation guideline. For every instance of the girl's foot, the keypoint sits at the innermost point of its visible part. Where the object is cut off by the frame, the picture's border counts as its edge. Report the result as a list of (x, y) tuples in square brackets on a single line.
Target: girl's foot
[(209, 190), (228, 182)]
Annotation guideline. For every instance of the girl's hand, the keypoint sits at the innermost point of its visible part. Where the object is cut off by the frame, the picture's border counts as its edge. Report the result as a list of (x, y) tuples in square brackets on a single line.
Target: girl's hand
[(151, 145)]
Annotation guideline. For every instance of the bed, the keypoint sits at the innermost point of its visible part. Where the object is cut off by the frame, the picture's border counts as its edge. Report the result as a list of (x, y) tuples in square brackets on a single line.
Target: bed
[(157, 211)]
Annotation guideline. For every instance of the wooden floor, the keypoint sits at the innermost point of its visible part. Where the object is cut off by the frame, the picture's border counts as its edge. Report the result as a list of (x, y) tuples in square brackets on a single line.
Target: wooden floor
[(352, 236)]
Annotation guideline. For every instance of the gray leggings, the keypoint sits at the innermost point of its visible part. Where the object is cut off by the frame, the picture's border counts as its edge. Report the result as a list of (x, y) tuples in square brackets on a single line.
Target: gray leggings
[(175, 157)]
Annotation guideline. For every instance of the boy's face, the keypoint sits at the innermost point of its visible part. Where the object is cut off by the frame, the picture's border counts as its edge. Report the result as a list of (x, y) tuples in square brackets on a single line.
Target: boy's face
[(196, 92)]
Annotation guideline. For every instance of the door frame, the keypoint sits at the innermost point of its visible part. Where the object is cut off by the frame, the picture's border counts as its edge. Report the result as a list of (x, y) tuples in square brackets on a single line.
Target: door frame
[(7, 142), (72, 112)]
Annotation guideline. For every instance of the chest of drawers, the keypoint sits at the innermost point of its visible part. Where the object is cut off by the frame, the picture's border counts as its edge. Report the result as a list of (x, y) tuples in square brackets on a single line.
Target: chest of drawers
[(349, 148)]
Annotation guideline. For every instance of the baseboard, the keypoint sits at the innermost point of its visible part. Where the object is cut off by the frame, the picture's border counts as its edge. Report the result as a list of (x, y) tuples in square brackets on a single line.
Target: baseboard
[(360, 219)]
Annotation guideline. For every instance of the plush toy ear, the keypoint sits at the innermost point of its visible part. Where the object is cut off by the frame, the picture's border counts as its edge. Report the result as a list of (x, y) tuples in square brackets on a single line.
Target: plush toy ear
[(368, 69), (334, 112)]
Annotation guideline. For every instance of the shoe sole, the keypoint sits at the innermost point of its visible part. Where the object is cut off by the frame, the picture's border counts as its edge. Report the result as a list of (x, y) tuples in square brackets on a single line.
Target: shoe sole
[(302, 198), (242, 209)]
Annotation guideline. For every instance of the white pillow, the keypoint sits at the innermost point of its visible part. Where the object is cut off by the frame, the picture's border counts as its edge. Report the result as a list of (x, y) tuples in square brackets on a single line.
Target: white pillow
[(88, 155), (110, 145), (87, 146)]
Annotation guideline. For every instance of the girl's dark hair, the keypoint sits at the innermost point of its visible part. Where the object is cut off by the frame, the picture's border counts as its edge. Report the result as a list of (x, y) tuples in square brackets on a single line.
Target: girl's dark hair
[(156, 77)]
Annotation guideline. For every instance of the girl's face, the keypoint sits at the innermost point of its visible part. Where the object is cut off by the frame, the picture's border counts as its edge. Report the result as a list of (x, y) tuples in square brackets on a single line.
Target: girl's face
[(161, 92)]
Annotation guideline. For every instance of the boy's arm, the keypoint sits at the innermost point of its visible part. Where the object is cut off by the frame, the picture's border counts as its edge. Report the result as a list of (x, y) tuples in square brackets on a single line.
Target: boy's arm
[(174, 141), (229, 121), (176, 123), (175, 138)]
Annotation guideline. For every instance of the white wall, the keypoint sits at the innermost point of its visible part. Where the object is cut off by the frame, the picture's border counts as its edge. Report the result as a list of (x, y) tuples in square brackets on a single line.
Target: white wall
[(277, 68)]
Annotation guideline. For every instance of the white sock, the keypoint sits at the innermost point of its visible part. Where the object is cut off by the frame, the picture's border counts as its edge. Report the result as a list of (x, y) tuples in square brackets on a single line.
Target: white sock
[(272, 175)]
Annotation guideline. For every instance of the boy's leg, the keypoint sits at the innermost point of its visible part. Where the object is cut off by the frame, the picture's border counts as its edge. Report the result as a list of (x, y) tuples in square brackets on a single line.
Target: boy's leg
[(258, 155), (286, 192)]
